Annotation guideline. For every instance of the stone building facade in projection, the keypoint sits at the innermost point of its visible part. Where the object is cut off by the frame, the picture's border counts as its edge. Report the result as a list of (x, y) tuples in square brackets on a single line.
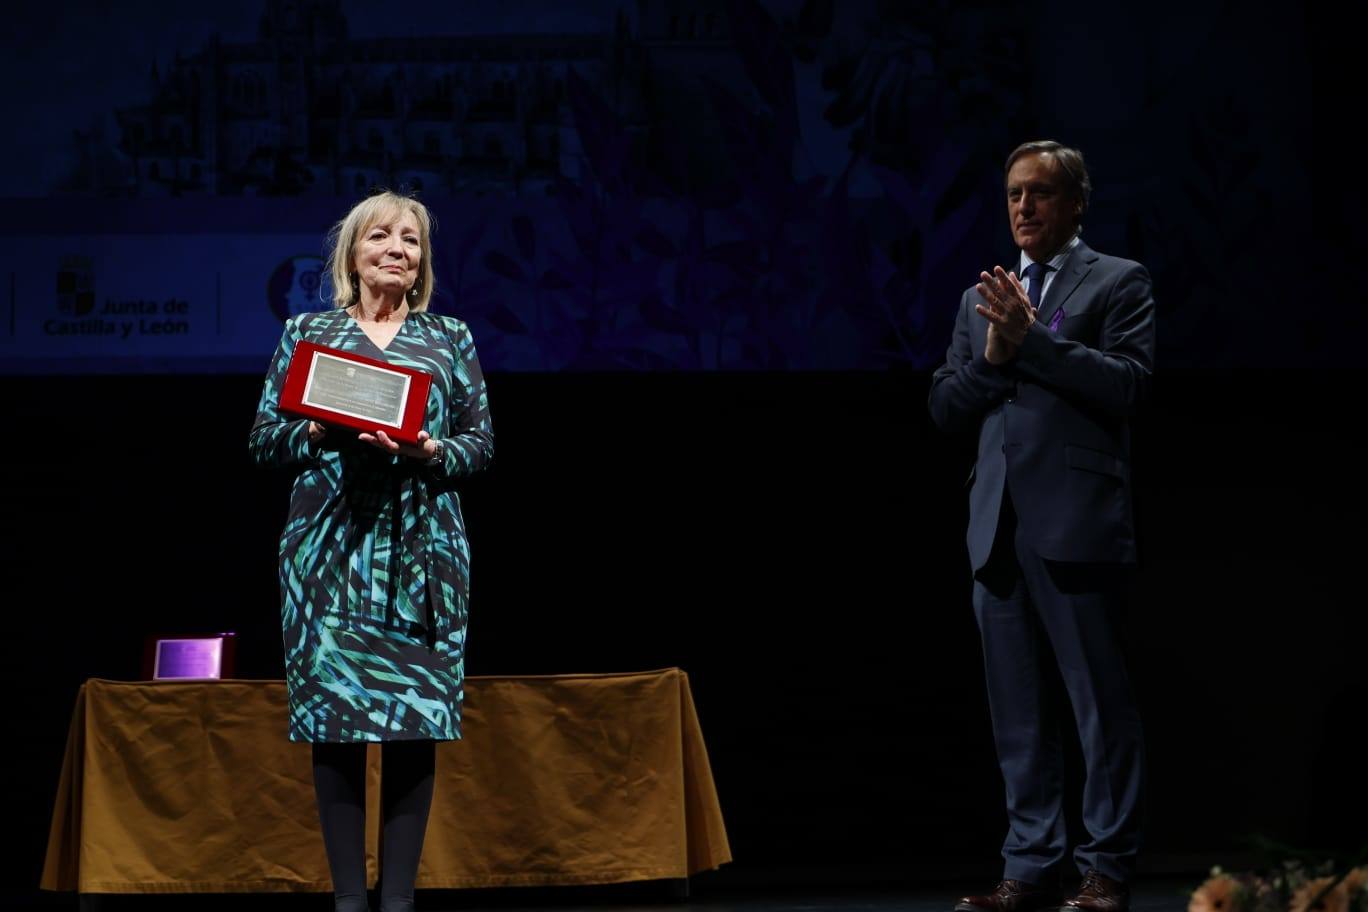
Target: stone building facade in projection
[(309, 109)]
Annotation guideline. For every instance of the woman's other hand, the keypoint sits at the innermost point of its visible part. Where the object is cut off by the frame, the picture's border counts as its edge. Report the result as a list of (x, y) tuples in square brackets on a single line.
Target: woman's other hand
[(425, 450)]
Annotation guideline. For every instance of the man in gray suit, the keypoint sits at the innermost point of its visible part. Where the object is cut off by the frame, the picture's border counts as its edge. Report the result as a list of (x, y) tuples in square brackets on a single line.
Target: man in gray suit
[(1046, 363)]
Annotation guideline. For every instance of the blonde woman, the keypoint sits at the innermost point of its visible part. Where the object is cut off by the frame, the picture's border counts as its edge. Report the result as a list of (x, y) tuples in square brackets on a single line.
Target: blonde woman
[(374, 563)]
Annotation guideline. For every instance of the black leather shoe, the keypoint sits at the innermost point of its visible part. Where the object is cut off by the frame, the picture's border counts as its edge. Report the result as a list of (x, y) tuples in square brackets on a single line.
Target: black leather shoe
[(1099, 893), (1011, 896)]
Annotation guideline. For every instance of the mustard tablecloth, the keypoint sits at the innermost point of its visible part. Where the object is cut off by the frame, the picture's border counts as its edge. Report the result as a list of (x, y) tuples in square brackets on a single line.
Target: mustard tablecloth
[(175, 787)]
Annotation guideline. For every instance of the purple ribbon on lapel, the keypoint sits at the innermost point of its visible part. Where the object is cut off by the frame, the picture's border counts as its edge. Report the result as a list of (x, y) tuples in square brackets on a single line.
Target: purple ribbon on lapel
[(1056, 319)]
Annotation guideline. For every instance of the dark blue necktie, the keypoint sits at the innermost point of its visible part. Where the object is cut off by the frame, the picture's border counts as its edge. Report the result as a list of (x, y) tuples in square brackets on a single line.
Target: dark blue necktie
[(1035, 276)]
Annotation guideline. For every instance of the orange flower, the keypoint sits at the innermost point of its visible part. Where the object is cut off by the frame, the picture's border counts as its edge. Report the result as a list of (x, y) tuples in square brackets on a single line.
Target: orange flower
[(1304, 900), (1355, 888), (1220, 893)]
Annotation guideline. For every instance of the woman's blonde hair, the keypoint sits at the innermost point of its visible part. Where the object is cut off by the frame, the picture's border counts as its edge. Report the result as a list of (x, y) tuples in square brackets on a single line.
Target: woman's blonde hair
[(342, 247)]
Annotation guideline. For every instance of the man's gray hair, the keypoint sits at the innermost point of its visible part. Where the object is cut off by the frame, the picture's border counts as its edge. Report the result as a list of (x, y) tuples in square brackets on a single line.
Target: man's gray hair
[(1070, 162)]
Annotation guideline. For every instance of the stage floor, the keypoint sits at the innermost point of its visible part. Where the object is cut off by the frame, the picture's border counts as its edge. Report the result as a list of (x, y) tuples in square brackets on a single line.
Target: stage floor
[(1148, 896)]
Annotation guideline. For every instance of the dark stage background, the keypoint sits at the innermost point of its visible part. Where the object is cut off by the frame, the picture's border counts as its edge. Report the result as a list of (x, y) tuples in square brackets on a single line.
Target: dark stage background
[(794, 542), (766, 504)]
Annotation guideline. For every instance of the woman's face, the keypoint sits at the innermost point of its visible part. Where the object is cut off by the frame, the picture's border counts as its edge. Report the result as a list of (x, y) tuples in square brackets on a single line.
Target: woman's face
[(387, 254)]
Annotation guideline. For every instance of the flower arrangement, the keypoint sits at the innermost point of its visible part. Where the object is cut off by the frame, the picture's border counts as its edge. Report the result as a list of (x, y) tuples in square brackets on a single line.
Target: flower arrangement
[(1292, 887)]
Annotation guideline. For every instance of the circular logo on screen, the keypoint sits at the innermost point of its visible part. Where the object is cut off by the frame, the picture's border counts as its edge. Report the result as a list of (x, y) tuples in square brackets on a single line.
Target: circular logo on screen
[(299, 285)]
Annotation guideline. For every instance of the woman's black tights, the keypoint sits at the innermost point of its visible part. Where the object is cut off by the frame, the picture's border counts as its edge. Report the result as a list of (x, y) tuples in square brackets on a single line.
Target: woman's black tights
[(405, 798)]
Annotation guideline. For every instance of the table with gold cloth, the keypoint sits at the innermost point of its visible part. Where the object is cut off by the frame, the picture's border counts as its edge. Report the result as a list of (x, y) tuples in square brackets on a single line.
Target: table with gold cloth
[(178, 787)]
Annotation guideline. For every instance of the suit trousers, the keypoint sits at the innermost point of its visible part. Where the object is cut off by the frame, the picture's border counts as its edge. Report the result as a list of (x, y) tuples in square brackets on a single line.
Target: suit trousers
[(1030, 612)]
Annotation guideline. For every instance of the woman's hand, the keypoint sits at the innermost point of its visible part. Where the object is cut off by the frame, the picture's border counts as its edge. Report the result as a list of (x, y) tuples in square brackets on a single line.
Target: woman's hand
[(425, 450), (317, 431)]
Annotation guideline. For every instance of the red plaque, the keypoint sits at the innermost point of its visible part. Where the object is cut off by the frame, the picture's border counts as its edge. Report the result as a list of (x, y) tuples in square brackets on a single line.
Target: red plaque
[(336, 387)]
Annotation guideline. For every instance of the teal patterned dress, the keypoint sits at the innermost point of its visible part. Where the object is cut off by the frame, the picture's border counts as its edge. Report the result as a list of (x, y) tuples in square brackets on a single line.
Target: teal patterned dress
[(374, 564)]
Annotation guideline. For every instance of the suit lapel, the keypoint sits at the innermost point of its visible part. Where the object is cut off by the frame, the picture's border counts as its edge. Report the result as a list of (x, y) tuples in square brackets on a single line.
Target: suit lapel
[(1075, 269)]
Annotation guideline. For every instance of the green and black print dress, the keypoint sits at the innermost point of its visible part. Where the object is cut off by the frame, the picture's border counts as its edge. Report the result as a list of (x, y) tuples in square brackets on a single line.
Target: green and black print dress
[(374, 564)]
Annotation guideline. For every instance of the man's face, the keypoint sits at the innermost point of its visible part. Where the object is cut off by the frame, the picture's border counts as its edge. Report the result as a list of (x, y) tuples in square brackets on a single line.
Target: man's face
[(1042, 212)]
